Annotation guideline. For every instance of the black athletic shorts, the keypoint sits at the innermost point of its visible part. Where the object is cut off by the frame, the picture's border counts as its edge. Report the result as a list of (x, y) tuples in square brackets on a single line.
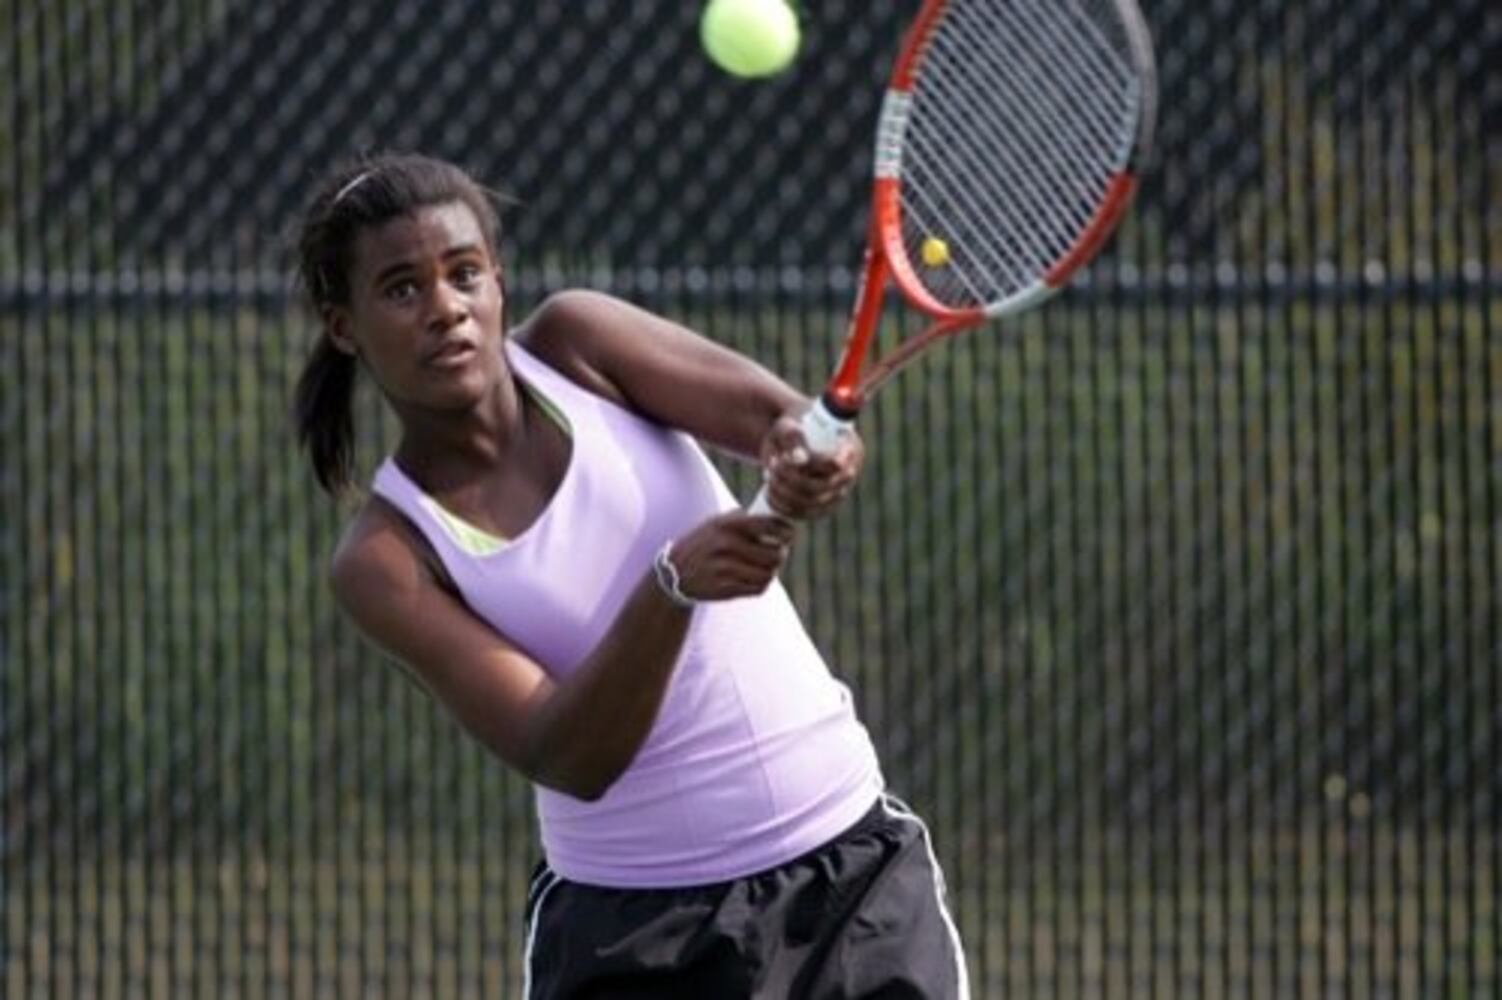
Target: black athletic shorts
[(862, 916)]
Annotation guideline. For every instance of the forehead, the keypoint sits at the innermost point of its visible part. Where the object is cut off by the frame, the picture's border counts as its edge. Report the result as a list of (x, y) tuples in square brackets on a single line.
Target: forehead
[(427, 233)]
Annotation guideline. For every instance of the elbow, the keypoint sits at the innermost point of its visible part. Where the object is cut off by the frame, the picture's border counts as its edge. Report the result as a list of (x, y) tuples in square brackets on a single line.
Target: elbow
[(589, 781), (585, 780), (590, 792), (582, 759), (584, 787)]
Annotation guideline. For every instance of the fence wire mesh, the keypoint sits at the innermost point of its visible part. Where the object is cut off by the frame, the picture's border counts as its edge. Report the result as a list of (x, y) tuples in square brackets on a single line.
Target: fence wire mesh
[(1176, 607)]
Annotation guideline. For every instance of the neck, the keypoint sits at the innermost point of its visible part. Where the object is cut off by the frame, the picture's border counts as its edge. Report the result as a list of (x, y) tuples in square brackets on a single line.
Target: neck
[(449, 448)]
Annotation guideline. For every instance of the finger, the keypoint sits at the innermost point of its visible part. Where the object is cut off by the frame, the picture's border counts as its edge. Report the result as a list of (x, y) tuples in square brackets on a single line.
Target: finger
[(739, 550), (820, 466), (767, 530), (797, 507), (796, 456), (784, 438), (740, 581), (763, 558), (806, 503), (817, 469), (838, 486), (793, 495), (810, 492), (803, 508), (756, 580)]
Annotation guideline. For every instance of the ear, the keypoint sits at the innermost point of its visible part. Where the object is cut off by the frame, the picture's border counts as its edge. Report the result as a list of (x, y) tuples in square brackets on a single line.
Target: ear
[(337, 325)]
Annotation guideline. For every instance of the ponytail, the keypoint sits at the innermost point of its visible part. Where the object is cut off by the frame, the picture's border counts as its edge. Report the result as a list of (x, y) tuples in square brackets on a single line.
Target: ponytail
[(323, 411)]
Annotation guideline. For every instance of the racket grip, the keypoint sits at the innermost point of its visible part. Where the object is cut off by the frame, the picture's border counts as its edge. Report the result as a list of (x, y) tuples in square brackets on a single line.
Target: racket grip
[(821, 432)]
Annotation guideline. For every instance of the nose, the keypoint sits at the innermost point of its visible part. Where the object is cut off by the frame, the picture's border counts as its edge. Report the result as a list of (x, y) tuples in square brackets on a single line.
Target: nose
[(446, 306)]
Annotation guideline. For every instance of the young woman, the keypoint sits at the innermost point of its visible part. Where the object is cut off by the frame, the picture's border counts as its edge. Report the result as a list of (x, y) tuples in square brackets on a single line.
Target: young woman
[(550, 552)]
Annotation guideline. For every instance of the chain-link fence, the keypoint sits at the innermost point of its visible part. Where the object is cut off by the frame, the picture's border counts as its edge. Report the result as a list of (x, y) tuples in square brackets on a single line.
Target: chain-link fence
[(1177, 608)]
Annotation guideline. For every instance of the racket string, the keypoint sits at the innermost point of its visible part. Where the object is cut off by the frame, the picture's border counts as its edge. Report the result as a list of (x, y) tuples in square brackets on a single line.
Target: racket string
[(1019, 198), (1087, 29), (1059, 152), (1018, 243), (1022, 113), (1089, 113), (957, 273), (1112, 91), (1016, 252), (1056, 137), (1023, 253), (956, 136)]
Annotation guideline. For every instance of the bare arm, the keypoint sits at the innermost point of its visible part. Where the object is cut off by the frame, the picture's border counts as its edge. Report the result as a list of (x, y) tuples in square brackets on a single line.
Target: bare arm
[(661, 369), (576, 736), (674, 376)]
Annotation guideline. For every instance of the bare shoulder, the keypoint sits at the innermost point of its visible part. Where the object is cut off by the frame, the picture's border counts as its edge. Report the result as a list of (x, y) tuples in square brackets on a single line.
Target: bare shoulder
[(659, 369), (375, 556), (392, 585), (575, 331)]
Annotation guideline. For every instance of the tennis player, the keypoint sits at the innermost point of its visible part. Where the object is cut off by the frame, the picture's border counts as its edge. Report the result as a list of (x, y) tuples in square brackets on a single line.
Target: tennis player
[(550, 552)]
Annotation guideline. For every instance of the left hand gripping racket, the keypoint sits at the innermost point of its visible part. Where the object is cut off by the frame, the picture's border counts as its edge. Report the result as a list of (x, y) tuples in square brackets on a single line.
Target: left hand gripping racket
[(1007, 151)]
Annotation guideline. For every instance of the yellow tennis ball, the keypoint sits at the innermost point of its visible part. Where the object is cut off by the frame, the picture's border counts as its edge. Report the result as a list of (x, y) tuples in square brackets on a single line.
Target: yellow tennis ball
[(750, 38), (935, 252)]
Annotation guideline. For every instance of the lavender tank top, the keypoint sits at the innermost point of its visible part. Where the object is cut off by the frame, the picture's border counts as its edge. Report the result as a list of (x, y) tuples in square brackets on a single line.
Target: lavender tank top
[(757, 756)]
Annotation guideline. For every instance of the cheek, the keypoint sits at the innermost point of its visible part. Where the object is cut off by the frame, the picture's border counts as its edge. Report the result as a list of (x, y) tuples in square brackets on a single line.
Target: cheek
[(386, 337), (492, 308)]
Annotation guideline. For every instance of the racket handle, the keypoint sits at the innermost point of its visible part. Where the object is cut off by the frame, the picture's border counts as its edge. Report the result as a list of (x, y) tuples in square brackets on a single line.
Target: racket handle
[(821, 432)]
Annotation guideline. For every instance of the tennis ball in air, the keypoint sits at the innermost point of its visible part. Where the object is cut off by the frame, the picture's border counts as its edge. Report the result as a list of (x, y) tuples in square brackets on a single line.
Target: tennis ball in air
[(935, 252), (749, 38)]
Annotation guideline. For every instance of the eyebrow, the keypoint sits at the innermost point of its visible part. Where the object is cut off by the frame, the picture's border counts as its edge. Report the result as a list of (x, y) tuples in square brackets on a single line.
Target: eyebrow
[(463, 250)]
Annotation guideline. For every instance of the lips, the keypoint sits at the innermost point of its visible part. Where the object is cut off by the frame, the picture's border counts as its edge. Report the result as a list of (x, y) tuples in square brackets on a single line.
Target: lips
[(452, 353)]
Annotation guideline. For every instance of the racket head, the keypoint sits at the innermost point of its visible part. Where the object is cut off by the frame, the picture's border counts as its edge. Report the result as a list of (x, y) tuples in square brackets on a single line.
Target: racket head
[(1012, 133)]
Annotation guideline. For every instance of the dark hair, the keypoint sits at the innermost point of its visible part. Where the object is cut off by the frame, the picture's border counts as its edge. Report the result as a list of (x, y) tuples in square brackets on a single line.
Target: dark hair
[(365, 193)]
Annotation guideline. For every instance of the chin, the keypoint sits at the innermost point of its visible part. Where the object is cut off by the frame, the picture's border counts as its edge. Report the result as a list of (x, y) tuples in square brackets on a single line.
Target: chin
[(461, 395)]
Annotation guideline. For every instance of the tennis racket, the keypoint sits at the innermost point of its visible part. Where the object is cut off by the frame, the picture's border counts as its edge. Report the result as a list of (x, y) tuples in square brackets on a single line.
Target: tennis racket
[(1007, 151)]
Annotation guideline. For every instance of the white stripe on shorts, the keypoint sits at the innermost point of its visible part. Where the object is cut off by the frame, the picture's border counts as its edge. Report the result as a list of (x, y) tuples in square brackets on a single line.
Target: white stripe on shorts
[(897, 808), (546, 882)]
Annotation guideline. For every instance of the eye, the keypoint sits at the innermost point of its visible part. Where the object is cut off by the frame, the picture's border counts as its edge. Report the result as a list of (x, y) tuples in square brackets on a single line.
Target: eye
[(400, 291), (468, 275)]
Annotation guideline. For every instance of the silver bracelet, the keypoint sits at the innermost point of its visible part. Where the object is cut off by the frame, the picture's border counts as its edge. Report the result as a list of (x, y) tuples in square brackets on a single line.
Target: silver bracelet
[(667, 577)]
